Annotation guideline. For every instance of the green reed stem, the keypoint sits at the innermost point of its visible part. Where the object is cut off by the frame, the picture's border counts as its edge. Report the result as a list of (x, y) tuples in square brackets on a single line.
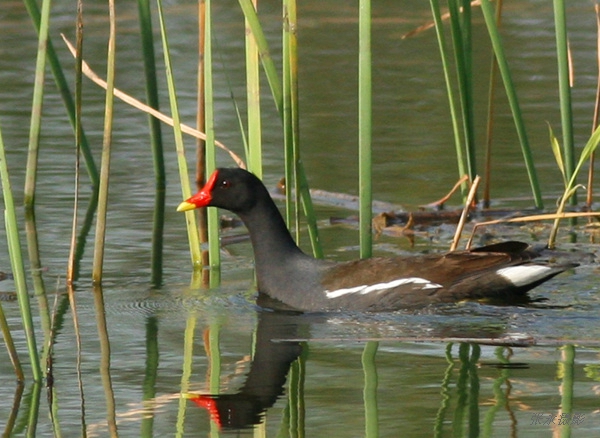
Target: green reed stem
[(490, 20), (370, 389), (63, 88), (211, 156), (364, 129), (570, 188), (33, 411), (10, 346), (31, 168), (290, 115), (265, 55), (147, 38), (9, 423), (461, 41), (73, 262), (564, 89), (290, 66), (253, 102), (106, 150), (439, 29), (36, 105), (487, 180), (193, 237), (16, 261)]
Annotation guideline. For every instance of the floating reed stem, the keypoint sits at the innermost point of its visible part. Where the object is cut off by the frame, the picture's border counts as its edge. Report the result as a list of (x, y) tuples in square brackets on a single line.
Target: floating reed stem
[(364, 130), (106, 150)]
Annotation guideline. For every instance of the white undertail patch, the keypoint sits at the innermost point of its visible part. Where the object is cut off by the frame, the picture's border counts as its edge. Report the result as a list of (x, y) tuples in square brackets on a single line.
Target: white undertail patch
[(365, 289), (524, 275)]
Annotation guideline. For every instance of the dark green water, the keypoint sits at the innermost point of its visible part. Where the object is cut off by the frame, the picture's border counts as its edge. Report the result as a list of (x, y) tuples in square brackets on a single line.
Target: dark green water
[(157, 341)]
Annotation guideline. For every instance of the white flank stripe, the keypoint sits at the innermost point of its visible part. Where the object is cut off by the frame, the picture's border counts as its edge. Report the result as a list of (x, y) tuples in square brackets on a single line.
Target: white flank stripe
[(365, 289), (524, 275)]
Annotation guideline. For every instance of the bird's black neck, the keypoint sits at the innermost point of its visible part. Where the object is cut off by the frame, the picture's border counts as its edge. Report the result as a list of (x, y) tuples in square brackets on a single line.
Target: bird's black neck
[(276, 255)]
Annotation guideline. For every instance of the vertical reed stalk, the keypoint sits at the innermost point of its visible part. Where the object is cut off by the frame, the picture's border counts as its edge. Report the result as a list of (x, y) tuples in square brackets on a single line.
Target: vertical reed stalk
[(490, 21), (253, 99), (36, 106), (265, 56), (10, 422), (290, 115), (277, 93), (192, 229), (33, 412), (487, 180), (439, 29), (461, 40), (201, 126), (211, 158), (364, 129), (106, 150), (16, 261), (596, 118), (31, 169), (71, 264), (10, 346), (63, 88), (370, 389), (564, 89), (155, 139)]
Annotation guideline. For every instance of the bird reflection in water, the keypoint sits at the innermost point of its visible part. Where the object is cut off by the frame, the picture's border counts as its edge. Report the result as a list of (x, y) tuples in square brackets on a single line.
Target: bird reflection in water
[(265, 381)]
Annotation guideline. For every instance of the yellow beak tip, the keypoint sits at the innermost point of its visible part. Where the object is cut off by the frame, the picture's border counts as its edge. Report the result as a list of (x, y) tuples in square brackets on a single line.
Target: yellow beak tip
[(186, 206)]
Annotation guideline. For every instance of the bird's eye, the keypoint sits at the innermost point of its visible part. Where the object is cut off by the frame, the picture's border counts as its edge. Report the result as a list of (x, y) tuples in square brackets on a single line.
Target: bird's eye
[(225, 184)]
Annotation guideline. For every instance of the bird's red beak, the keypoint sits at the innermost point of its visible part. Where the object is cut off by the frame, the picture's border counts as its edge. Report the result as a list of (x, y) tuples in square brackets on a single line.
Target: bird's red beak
[(202, 198)]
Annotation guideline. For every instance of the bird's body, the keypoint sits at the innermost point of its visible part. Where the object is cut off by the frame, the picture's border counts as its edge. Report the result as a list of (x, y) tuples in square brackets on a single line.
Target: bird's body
[(504, 271)]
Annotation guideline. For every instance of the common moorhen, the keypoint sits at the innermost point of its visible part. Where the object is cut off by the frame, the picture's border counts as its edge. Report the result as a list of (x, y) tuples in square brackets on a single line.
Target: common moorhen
[(503, 271)]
